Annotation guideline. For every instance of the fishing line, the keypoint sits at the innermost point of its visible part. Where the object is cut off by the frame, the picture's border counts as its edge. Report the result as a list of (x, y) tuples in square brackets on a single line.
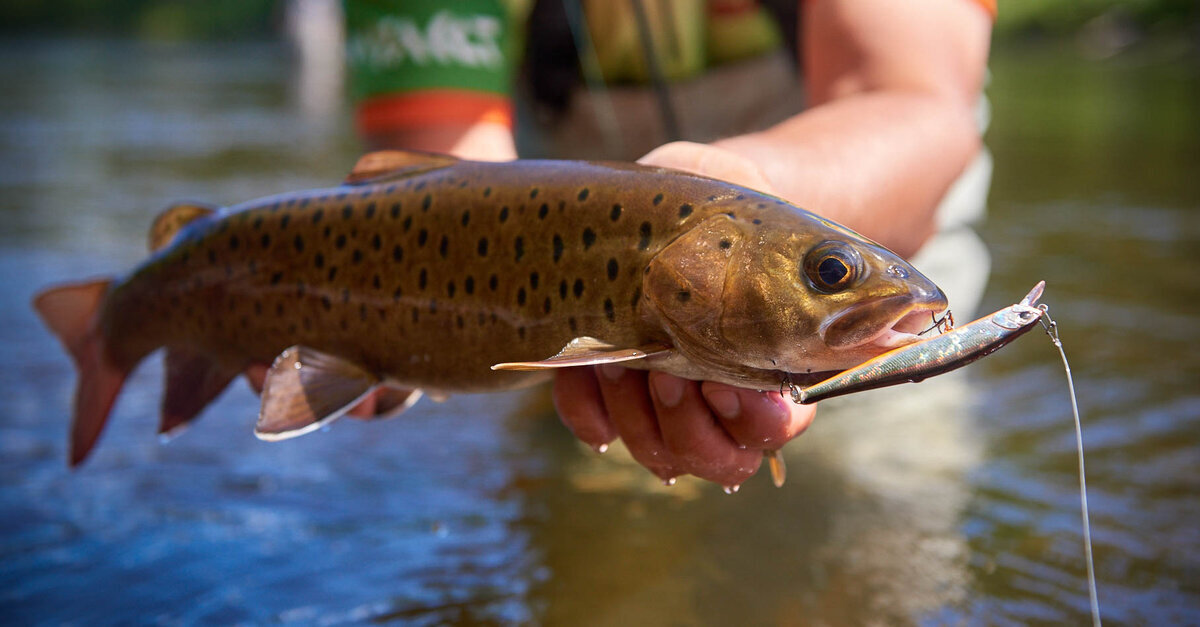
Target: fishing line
[(1051, 328)]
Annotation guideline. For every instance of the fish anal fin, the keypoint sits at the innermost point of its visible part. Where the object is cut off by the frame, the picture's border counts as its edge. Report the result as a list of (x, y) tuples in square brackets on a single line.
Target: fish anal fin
[(172, 219), (193, 380), (385, 403), (71, 311), (587, 351), (305, 389), (390, 164)]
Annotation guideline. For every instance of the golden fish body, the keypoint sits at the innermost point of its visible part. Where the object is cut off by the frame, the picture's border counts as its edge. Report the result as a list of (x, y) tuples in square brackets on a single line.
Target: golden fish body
[(425, 271)]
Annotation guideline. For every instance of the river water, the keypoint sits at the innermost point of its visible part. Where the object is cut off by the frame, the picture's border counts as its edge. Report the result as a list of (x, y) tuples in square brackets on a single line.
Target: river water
[(952, 501)]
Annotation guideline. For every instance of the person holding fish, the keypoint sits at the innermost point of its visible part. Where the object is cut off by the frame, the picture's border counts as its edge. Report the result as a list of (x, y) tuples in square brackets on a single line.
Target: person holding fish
[(891, 91)]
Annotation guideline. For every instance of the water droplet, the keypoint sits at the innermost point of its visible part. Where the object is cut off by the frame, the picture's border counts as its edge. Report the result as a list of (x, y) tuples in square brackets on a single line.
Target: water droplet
[(732, 489), (669, 481), (601, 448)]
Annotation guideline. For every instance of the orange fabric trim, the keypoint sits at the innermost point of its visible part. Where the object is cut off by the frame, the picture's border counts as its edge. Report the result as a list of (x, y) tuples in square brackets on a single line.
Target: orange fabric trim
[(989, 6), (436, 107)]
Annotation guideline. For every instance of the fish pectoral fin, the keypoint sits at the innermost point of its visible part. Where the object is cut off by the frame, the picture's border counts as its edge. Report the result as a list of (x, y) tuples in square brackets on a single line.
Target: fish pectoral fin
[(305, 389), (587, 351), (193, 380), (386, 403), (392, 164), (168, 223)]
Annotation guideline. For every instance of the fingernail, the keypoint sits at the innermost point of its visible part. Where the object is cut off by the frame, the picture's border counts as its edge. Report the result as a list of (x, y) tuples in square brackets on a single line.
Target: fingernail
[(732, 489), (725, 403), (669, 390), (669, 482), (601, 448), (611, 372)]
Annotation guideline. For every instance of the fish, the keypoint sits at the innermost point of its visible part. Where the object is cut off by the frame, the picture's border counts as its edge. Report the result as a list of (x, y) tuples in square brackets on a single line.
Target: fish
[(426, 274), (937, 355)]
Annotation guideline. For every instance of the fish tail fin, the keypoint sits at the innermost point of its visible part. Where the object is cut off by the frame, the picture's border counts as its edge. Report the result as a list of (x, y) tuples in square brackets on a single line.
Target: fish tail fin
[(71, 312)]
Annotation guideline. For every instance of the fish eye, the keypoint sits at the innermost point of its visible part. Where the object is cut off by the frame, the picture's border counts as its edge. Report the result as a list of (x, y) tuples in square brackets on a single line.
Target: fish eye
[(832, 267)]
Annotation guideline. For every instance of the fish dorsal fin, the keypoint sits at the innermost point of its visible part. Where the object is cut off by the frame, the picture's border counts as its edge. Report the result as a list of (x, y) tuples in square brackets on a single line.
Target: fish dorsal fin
[(392, 164), (586, 351), (305, 389), (172, 219)]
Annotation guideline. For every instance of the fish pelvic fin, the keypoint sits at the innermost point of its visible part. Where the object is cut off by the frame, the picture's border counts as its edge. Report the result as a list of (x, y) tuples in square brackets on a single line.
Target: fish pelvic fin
[(305, 389), (385, 165), (71, 313), (587, 351), (193, 380), (168, 223)]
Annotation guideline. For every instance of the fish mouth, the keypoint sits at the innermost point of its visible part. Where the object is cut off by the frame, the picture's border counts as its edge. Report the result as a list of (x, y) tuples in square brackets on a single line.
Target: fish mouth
[(885, 324)]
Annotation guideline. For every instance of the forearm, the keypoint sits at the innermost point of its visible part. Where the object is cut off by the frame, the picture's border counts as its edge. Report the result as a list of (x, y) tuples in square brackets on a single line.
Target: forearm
[(484, 141), (877, 161)]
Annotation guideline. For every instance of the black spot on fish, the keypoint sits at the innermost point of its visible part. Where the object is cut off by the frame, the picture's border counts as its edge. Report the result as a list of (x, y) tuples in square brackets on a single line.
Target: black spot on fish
[(332, 272), (444, 247), (212, 256), (658, 199), (395, 210), (397, 294), (257, 222), (533, 280), (416, 314), (543, 211), (615, 214), (278, 309), (422, 279), (265, 240), (420, 186), (422, 237), (466, 218), (340, 242), (609, 312), (519, 247), (304, 202), (357, 256), (685, 210), (426, 202), (521, 332), (234, 242), (469, 285), (375, 282), (503, 214), (371, 210), (756, 221), (589, 238), (741, 197), (376, 242), (397, 253), (317, 215), (521, 296), (583, 194), (482, 248), (613, 269), (298, 242), (326, 303), (487, 191), (459, 322), (407, 223), (341, 196), (637, 296), (347, 212), (558, 247), (578, 288), (683, 296), (562, 289), (493, 282), (275, 207), (573, 324), (450, 289), (319, 261), (327, 231), (725, 244), (362, 312), (533, 193), (345, 296), (546, 305), (276, 278), (644, 232), (433, 306)]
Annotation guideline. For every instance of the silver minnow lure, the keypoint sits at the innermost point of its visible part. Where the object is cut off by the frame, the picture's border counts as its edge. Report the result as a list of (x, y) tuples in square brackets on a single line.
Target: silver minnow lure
[(937, 355)]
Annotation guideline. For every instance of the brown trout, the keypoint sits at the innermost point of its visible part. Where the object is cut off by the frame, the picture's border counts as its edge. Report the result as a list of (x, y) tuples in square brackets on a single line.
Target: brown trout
[(426, 273)]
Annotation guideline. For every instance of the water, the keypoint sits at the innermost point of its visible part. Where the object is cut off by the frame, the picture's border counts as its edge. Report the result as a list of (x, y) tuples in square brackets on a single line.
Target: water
[(951, 501)]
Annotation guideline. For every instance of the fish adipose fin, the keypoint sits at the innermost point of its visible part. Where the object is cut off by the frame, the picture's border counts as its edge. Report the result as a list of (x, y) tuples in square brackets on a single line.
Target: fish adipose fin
[(71, 311), (193, 380), (587, 351), (384, 165), (306, 389), (168, 223)]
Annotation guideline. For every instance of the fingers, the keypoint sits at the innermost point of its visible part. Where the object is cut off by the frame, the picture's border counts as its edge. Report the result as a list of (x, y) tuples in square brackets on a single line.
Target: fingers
[(581, 407), (697, 442), (757, 420), (627, 399)]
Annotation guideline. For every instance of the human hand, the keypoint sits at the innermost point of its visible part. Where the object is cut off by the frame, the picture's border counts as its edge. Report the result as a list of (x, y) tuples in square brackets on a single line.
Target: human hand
[(670, 425)]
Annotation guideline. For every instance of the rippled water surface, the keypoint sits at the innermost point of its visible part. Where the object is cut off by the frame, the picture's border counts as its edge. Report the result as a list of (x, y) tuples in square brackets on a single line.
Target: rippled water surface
[(949, 501)]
